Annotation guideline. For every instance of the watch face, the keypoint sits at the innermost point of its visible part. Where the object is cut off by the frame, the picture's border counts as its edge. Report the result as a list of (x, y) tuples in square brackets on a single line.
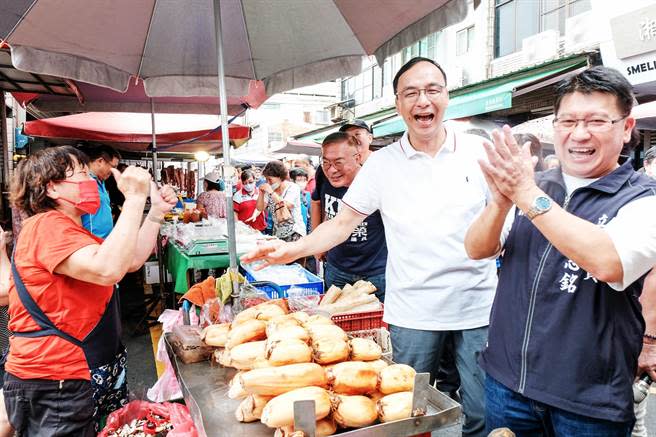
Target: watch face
[(542, 203)]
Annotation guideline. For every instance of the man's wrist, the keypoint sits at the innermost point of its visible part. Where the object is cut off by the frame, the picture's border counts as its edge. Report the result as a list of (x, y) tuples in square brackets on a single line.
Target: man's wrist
[(525, 198)]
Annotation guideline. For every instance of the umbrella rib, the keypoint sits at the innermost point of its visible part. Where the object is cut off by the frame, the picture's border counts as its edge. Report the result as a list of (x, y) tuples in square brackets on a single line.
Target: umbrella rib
[(27, 11), (143, 51), (248, 41)]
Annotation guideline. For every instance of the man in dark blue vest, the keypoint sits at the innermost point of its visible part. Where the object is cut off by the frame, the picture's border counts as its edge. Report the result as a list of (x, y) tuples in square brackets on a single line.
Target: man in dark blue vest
[(566, 327)]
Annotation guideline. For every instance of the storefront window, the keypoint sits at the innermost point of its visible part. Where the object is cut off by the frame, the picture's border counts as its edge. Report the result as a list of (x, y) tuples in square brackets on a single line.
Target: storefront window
[(555, 12), (519, 19), (514, 21), (464, 40)]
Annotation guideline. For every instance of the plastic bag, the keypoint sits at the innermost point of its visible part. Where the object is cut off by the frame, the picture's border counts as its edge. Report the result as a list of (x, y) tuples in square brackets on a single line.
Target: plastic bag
[(224, 284), (248, 296), (303, 299), (178, 415), (210, 312), (167, 387)]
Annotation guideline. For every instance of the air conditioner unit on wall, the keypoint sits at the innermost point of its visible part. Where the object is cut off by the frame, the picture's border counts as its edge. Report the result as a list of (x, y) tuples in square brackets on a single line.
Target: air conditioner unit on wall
[(540, 47), (580, 32)]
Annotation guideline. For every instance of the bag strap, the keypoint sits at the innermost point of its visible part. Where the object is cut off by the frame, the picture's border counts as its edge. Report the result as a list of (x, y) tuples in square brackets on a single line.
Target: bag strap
[(46, 325)]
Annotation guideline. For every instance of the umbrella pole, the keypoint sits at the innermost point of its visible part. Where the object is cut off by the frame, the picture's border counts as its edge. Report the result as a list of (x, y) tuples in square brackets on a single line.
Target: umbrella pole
[(225, 140), (160, 249)]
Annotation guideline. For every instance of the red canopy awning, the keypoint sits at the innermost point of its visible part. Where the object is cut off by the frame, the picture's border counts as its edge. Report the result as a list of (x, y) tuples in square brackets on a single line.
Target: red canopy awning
[(92, 98), (132, 131)]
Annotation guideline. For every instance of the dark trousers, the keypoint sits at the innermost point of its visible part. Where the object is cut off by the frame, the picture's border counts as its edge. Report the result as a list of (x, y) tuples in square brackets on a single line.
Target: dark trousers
[(46, 408)]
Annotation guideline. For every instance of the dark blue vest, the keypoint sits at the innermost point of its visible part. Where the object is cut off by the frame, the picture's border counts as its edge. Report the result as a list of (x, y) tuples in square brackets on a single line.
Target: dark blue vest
[(557, 335)]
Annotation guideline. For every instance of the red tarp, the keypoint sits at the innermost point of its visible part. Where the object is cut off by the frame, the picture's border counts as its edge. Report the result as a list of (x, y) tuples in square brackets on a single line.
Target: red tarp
[(92, 98), (132, 131)]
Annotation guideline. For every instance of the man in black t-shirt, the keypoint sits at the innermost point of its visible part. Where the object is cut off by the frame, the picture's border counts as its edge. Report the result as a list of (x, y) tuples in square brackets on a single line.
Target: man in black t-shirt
[(364, 254)]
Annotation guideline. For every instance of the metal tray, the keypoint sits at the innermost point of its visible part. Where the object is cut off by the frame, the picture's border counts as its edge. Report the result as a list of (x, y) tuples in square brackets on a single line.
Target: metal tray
[(205, 391)]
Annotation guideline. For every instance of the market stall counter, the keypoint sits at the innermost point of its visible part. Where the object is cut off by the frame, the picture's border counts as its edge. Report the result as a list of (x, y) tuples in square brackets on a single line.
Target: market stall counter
[(203, 245), (205, 390), (180, 263)]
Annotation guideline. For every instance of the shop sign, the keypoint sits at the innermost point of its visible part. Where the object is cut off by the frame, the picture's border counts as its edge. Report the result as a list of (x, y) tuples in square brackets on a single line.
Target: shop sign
[(634, 33)]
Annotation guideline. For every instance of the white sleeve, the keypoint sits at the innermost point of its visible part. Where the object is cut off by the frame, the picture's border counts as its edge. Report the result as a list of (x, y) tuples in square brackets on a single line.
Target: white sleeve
[(363, 196), (507, 224), (633, 232)]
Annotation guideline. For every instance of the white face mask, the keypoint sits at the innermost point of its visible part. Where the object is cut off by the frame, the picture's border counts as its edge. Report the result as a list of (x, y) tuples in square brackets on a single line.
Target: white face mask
[(249, 187), (275, 186)]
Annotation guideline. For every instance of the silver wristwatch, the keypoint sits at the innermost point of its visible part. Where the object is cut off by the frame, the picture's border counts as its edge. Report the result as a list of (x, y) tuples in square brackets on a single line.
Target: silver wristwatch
[(540, 205)]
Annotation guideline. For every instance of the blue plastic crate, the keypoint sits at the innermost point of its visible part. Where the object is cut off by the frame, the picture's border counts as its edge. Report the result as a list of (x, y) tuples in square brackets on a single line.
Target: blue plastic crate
[(314, 283)]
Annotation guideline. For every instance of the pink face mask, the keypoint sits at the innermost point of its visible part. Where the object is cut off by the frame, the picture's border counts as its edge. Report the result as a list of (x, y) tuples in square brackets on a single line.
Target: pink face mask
[(88, 196)]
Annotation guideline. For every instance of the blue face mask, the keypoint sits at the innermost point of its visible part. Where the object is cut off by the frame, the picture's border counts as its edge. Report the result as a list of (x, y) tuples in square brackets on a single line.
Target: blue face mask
[(249, 187), (275, 186)]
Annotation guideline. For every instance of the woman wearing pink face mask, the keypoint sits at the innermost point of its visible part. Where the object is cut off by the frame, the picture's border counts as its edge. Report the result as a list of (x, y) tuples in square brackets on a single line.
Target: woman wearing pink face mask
[(63, 309)]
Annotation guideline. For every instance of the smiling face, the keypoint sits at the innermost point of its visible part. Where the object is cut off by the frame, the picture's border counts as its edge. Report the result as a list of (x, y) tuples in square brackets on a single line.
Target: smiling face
[(588, 154), (340, 163), (423, 114)]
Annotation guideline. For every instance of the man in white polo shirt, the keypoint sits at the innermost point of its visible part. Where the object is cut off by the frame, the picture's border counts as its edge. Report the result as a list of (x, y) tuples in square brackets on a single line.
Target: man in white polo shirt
[(428, 188)]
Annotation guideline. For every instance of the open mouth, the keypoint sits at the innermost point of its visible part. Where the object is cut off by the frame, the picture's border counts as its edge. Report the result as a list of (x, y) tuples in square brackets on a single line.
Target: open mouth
[(581, 151), (424, 118)]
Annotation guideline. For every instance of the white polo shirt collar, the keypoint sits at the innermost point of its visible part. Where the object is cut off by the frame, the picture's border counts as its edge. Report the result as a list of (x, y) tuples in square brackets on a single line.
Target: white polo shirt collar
[(410, 152)]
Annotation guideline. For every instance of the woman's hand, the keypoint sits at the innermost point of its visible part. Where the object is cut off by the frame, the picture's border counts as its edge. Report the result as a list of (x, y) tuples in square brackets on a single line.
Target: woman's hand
[(162, 200), (133, 182), (266, 188)]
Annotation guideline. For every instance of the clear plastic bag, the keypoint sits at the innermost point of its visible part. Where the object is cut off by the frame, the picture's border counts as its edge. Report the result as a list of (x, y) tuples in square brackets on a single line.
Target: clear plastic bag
[(303, 299), (210, 312), (248, 296)]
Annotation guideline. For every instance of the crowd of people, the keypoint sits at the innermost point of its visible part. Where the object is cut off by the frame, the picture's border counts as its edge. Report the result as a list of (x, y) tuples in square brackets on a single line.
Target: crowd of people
[(519, 281), (551, 342)]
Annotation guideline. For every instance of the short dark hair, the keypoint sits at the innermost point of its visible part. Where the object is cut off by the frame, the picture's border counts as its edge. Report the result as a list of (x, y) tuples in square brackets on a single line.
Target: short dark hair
[(411, 63), (95, 151), (295, 172), (597, 79), (247, 174), (650, 154), (338, 137), (29, 186), (275, 169)]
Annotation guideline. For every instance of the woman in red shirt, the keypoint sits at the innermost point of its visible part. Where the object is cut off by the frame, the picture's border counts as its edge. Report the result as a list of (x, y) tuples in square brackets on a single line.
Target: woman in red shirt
[(63, 309), (245, 201)]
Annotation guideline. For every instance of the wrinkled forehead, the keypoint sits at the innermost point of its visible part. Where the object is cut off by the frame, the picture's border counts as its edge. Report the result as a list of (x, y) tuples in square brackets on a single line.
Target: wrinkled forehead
[(341, 149)]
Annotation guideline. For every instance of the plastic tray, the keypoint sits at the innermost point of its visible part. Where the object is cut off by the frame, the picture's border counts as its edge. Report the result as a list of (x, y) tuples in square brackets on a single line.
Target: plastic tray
[(360, 321), (314, 282)]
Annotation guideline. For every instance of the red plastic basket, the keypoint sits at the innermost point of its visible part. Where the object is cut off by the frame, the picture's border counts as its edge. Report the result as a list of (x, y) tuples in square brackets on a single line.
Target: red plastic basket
[(360, 321)]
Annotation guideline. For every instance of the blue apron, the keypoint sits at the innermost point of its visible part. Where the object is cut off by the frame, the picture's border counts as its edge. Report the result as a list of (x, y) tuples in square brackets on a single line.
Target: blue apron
[(102, 347)]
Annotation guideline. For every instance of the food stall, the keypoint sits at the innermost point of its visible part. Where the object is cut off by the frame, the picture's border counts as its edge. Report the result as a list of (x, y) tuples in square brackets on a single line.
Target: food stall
[(301, 362), (202, 245)]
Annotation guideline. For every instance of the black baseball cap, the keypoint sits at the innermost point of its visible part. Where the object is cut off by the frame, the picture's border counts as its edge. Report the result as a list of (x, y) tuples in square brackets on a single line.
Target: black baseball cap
[(356, 123)]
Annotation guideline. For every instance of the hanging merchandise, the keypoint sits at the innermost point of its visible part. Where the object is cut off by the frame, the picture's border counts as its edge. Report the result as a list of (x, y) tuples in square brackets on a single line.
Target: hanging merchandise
[(180, 178)]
